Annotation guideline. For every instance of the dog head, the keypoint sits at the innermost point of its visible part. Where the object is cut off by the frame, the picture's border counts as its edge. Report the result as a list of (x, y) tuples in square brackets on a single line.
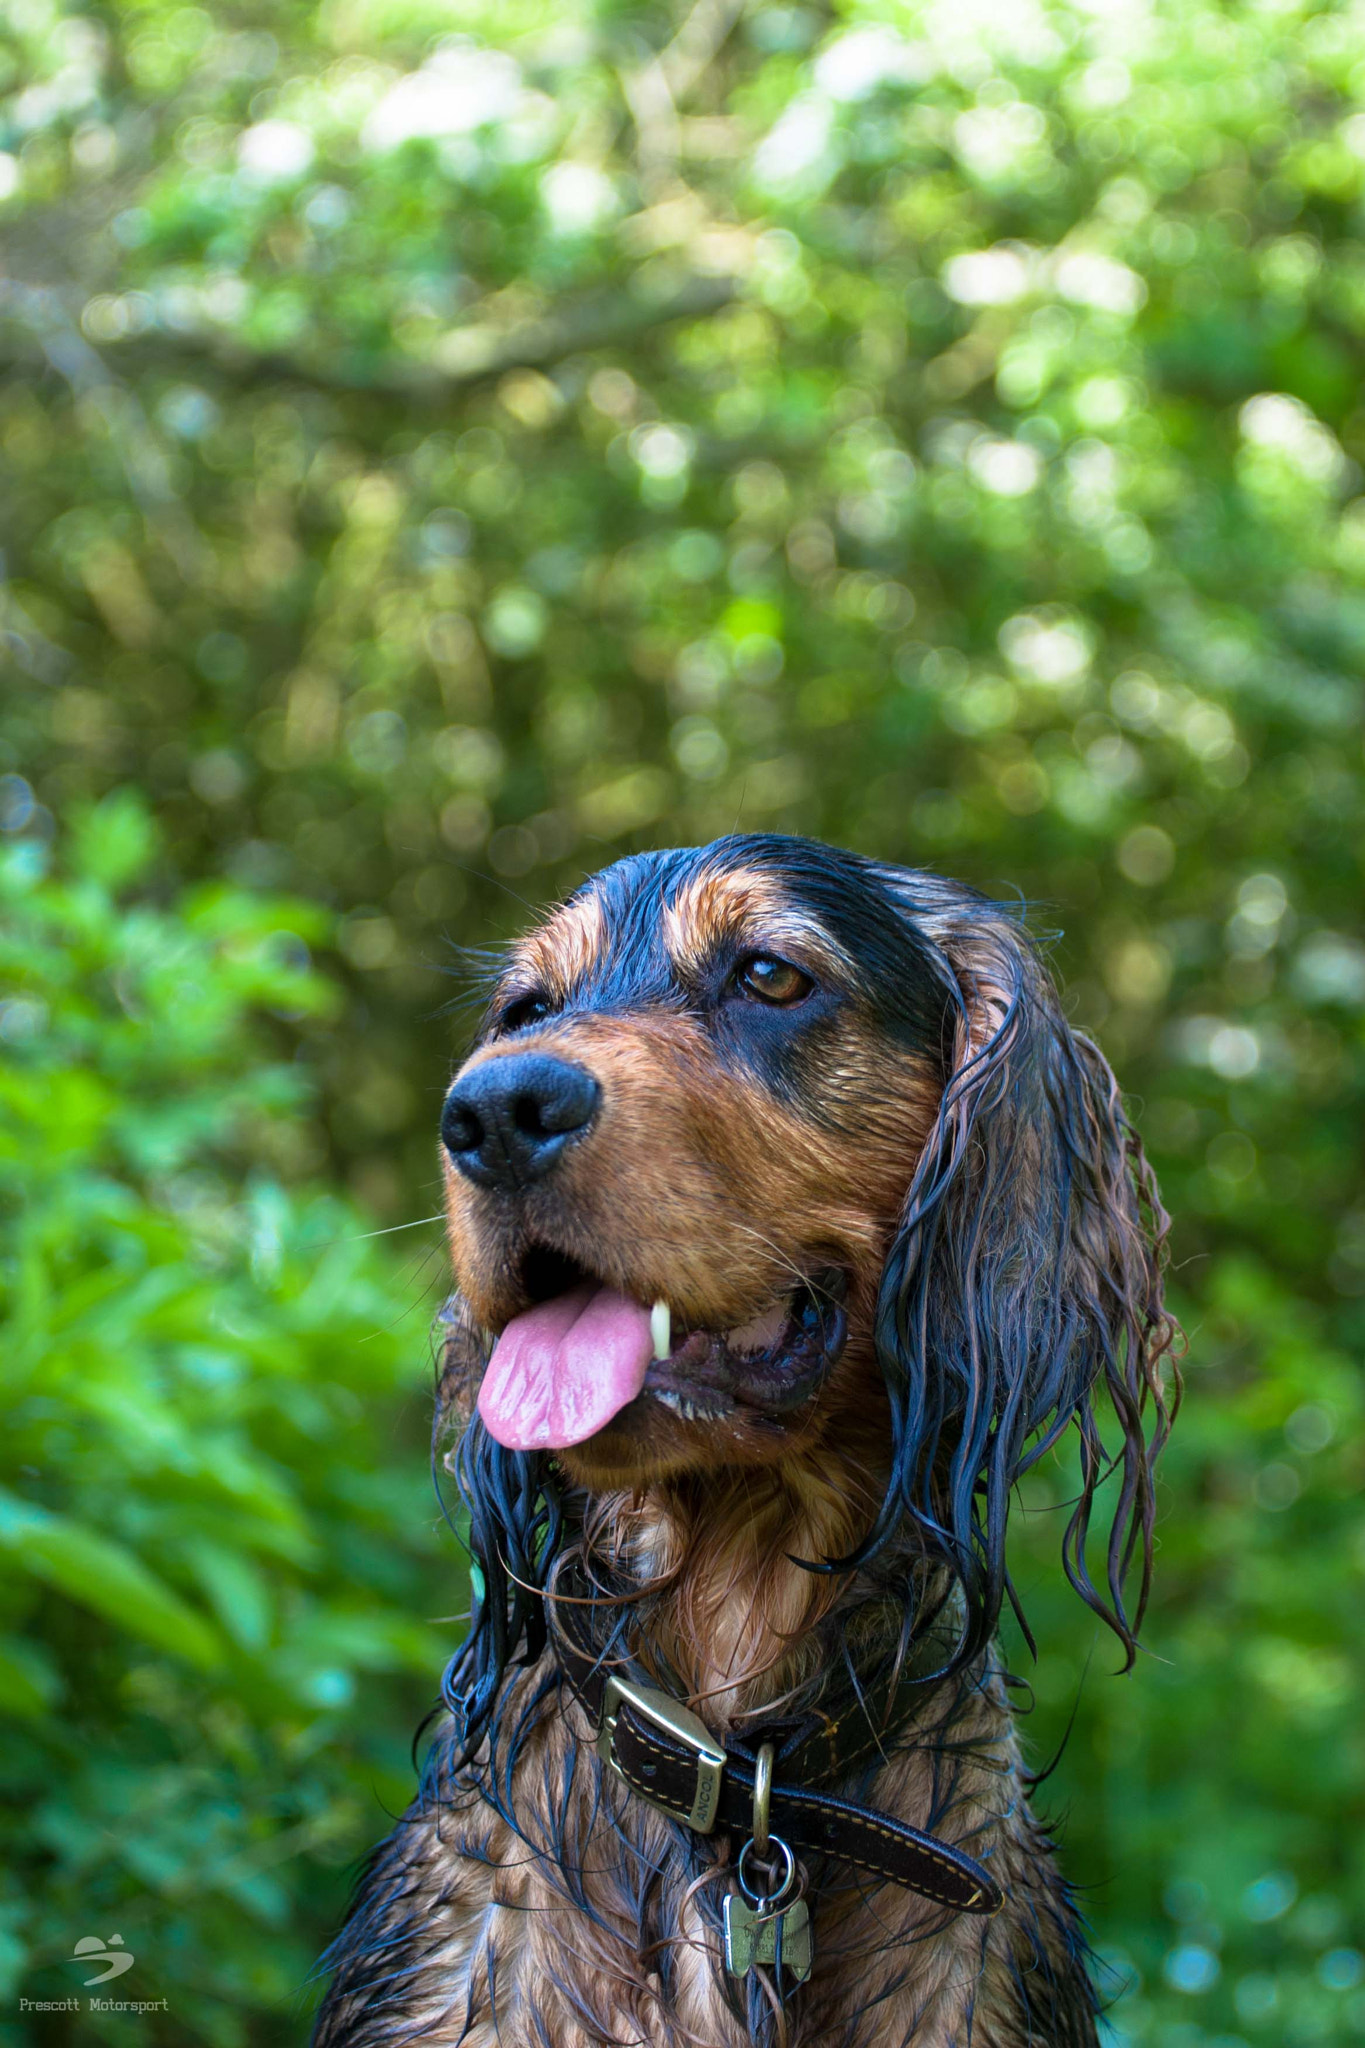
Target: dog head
[(768, 1150)]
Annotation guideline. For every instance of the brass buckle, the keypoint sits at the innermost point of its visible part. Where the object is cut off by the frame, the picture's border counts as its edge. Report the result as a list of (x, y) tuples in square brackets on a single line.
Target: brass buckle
[(682, 1724), (763, 1792)]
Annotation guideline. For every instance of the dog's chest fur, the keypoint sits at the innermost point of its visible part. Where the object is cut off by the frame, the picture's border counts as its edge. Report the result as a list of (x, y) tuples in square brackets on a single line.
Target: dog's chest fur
[(595, 1922)]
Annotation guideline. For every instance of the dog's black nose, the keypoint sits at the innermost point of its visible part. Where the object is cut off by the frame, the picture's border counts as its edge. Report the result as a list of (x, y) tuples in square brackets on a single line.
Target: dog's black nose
[(507, 1121)]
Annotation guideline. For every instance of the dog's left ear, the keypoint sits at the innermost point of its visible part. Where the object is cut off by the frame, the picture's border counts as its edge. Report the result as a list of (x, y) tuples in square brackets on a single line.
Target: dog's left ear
[(1024, 1280)]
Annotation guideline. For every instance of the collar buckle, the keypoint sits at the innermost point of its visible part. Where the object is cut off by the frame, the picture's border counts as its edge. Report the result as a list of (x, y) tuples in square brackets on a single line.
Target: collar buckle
[(676, 1721)]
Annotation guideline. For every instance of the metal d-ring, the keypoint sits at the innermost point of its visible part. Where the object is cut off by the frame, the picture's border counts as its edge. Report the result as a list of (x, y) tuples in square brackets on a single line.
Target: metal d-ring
[(763, 1789), (767, 1901)]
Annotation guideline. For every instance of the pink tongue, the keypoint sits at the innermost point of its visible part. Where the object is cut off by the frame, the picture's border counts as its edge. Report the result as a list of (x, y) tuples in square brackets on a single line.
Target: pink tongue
[(561, 1370)]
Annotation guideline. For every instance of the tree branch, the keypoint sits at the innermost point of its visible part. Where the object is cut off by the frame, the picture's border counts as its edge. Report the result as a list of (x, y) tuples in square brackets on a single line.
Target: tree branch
[(467, 356)]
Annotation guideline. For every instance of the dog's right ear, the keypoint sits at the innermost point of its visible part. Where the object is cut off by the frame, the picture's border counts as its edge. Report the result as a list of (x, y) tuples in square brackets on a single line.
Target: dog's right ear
[(509, 1517), (1023, 1287)]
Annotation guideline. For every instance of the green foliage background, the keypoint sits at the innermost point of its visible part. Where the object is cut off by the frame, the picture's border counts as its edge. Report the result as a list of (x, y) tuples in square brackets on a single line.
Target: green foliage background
[(448, 445)]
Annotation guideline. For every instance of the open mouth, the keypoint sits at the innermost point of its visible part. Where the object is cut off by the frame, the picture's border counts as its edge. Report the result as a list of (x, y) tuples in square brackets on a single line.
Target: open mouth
[(582, 1353)]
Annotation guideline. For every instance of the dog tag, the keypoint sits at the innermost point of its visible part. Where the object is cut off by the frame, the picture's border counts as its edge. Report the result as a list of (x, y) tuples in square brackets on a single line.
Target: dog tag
[(778, 1937)]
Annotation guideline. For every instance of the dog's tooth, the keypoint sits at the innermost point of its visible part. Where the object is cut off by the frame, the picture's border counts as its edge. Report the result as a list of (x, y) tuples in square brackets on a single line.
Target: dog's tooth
[(661, 1328)]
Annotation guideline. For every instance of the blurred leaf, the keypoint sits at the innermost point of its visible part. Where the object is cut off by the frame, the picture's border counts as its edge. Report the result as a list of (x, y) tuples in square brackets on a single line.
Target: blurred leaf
[(113, 842), (103, 1576), (29, 1682)]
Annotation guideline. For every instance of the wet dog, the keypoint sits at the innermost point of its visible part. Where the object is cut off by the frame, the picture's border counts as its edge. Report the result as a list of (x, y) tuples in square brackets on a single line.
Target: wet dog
[(792, 1225)]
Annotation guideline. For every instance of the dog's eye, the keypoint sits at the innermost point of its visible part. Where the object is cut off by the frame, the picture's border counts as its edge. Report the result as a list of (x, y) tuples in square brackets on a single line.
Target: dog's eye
[(773, 981), (524, 1010)]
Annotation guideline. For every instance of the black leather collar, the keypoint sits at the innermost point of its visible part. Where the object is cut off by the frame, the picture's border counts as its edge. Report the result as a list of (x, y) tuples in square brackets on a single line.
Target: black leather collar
[(667, 1756)]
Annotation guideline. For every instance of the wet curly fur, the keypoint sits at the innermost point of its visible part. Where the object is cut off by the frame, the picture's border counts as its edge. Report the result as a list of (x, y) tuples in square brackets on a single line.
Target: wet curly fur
[(925, 1120)]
